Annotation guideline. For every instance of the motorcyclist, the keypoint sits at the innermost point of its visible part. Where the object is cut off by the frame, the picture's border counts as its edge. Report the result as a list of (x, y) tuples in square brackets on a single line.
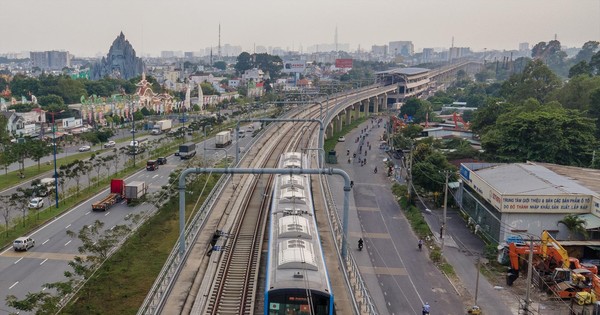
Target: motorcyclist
[(360, 243), (420, 244), (375, 170), (426, 308)]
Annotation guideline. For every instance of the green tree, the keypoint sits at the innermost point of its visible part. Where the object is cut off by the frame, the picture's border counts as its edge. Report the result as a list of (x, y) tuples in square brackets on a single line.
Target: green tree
[(221, 65), (411, 107), (38, 149), (575, 94), (537, 81), (547, 133), (244, 62), (208, 89), (581, 68), (575, 225), (587, 51), (46, 100), (594, 109)]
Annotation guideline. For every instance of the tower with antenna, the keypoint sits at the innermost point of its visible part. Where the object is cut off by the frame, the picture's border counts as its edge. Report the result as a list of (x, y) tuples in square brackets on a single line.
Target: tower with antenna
[(336, 39), (219, 49)]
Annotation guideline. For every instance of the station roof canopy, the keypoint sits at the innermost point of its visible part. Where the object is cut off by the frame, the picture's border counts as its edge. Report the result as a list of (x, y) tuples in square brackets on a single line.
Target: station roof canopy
[(528, 179), (405, 71)]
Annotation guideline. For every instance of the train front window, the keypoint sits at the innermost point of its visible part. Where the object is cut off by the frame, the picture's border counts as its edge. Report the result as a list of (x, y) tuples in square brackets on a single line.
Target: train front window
[(297, 303)]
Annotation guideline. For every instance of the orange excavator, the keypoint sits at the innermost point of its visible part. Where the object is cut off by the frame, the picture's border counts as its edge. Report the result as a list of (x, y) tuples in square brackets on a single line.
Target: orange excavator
[(548, 255)]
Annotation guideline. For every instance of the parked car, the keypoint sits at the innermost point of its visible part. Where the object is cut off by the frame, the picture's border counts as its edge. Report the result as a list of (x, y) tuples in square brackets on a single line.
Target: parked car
[(341, 139), (36, 203), (110, 144), (23, 243), (161, 160), (85, 148)]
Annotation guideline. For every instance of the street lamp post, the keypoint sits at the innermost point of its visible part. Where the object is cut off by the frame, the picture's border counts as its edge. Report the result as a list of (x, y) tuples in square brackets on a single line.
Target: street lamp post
[(54, 146), (134, 148)]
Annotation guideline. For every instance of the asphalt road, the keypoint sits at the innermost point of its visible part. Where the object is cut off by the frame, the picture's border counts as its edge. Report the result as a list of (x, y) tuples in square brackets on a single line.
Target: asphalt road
[(399, 277), (23, 272)]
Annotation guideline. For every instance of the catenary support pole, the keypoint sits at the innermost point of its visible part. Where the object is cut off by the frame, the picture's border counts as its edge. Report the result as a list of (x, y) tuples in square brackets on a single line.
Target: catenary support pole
[(282, 171)]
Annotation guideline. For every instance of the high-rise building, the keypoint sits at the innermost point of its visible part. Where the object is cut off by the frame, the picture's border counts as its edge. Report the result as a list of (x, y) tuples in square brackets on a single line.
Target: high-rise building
[(50, 60), (458, 52), (379, 50), (523, 46), (401, 48)]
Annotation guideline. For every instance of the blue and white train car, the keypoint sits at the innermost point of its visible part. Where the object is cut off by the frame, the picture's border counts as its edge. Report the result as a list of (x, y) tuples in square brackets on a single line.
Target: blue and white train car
[(297, 279)]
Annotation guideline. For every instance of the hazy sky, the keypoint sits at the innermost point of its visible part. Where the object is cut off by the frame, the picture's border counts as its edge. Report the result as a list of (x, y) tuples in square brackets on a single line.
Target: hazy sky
[(88, 27)]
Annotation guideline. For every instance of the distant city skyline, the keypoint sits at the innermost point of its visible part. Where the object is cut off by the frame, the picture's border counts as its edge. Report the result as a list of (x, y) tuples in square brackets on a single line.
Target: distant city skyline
[(86, 28)]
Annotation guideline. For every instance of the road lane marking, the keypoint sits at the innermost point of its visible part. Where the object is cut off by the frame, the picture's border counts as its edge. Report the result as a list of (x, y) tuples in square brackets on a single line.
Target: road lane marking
[(43, 261), (113, 227), (43, 255), (18, 260), (389, 271), (66, 227), (88, 212), (154, 176), (14, 284), (46, 241), (67, 243), (107, 213)]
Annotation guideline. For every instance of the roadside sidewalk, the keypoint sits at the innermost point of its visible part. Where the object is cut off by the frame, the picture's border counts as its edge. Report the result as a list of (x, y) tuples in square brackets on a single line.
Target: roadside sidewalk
[(462, 249)]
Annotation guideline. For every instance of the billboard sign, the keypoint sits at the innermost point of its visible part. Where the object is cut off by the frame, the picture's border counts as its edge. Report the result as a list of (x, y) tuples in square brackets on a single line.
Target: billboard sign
[(547, 203), (294, 66), (343, 63)]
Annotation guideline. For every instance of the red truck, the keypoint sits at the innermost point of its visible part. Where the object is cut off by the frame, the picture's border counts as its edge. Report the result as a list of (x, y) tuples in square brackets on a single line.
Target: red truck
[(117, 191)]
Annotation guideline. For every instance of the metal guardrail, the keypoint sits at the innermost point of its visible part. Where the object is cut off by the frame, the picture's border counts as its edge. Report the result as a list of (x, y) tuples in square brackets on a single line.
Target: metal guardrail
[(163, 284)]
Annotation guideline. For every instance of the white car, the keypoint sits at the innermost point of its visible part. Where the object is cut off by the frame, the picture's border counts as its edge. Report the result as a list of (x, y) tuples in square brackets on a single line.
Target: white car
[(36, 203), (341, 139), (85, 148), (110, 144), (23, 243)]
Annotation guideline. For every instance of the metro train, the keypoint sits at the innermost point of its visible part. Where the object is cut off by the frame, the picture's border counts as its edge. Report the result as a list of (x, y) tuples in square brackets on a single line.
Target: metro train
[(297, 281)]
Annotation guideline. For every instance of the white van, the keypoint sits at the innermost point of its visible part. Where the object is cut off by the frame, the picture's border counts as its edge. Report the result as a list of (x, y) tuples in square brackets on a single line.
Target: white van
[(23, 243)]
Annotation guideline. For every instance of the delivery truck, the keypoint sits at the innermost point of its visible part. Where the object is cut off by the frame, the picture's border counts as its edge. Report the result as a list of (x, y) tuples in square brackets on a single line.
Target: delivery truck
[(161, 126), (187, 151), (223, 139), (135, 190)]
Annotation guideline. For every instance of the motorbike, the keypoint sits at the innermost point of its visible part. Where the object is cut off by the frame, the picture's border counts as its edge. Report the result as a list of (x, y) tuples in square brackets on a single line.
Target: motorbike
[(375, 170), (360, 246)]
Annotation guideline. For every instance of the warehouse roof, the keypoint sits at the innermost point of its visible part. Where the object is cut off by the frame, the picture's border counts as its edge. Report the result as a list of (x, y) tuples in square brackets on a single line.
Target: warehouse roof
[(587, 177), (528, 179)]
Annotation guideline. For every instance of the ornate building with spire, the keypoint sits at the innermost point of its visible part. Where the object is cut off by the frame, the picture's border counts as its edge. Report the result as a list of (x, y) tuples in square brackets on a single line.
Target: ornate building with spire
[(120, 62)]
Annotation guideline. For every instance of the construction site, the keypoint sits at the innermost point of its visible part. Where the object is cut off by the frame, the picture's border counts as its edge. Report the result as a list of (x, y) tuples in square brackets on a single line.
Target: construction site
[(551, 277)]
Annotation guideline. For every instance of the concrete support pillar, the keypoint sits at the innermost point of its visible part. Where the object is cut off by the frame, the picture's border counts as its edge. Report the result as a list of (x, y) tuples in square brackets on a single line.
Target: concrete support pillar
[(339, 122), (348, 116), (358, 106), (329, 130), (366, 107), (376, 104)]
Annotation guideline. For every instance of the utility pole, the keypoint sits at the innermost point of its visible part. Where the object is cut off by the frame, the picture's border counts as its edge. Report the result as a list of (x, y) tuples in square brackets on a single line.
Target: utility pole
[(447, 174), (409, 174), (529, 274), (477, 281)]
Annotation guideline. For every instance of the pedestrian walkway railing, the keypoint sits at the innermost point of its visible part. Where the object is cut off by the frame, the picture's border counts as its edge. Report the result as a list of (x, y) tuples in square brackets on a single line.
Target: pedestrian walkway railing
[(361, 297)]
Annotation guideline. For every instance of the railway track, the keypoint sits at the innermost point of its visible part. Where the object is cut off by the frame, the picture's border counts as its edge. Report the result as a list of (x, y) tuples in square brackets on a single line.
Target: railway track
[(235, 284)]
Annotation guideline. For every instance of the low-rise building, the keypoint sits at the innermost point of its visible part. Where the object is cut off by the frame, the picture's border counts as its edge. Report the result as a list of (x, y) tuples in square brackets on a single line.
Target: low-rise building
[(521, 199)]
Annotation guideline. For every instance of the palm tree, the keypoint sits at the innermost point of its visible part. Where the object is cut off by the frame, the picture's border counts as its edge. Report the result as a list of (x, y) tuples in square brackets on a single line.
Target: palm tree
[(575, 225)]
